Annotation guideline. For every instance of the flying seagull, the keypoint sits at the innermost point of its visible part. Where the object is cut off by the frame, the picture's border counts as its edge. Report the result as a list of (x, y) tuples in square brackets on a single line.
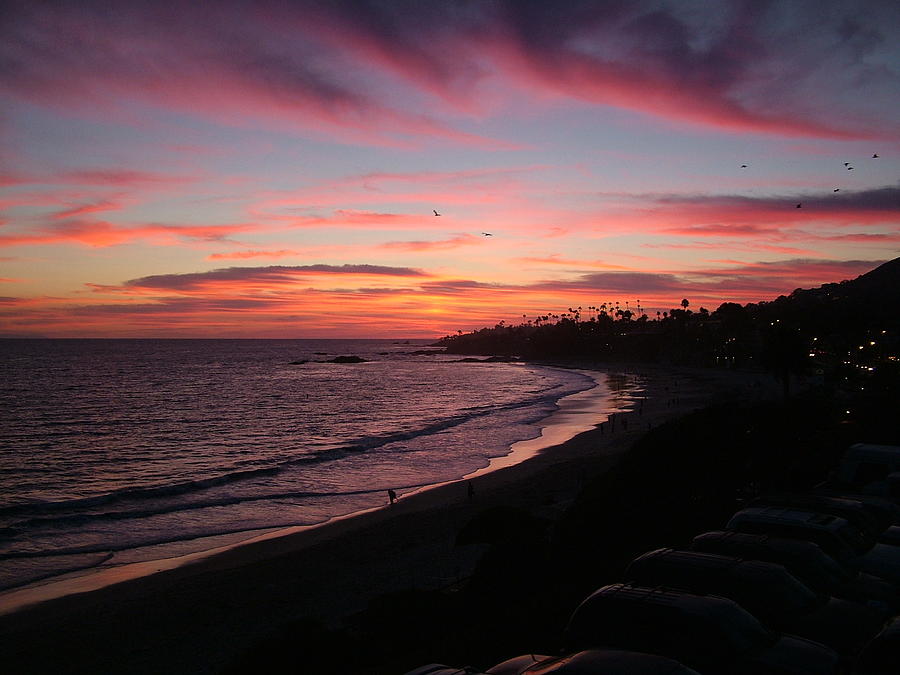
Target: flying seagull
[(837, 189), (743, 166), (875, 156), (800, 205), (435, 212), (846, 163), (487, 234), (849, 168)]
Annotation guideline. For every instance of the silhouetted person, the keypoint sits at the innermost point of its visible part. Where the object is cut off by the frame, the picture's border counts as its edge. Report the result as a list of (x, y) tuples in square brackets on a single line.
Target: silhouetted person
[(392, 496), (470, 489)]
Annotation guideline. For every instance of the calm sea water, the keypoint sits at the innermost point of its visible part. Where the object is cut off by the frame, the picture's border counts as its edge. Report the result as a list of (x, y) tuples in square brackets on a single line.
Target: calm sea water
[(115, 451)]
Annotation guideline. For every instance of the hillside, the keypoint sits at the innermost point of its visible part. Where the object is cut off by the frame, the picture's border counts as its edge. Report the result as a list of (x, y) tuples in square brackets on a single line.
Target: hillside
[(838, 331)]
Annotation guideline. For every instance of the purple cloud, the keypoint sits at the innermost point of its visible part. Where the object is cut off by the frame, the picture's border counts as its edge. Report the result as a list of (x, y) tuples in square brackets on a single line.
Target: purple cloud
[(805, 69), (273, 274)]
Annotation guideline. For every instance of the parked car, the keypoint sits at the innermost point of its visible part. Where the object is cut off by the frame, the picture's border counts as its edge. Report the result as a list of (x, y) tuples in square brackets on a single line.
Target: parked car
[(853, 511), (868, 467), (806, 561), (592, 662), (440, 669), (882, 655), (834, 535), (766, 590), (707, 633), (885, 508)]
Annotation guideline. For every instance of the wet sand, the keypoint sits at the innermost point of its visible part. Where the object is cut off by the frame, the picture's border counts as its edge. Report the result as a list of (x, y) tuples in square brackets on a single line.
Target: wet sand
[(197, 617)]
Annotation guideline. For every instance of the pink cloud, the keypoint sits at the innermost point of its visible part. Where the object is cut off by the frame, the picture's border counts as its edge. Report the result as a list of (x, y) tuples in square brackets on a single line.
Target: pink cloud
[(244, 255), (86, 209), (367, 71), (235, 73), (100, 233), (569, 262), (444, 191), (9, 179), (439, 245), (733, 246)]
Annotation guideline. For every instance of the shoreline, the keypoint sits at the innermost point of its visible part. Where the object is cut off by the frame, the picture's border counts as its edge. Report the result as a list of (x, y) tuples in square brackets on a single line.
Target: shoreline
[(196, 618), (574, 415)]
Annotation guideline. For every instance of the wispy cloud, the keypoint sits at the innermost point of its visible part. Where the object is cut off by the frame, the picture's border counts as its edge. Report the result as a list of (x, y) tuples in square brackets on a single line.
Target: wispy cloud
[(437, 245), (99, 233), (118, 177), (245, 255), (289, 63), (275, 274), (87, 209)]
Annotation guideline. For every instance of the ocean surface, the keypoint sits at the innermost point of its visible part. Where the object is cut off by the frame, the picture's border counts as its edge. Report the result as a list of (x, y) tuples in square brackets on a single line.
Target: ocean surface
[(117, 451)]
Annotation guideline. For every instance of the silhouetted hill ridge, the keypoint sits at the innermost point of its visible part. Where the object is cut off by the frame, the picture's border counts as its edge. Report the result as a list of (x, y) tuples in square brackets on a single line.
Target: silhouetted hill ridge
[(873, 297)]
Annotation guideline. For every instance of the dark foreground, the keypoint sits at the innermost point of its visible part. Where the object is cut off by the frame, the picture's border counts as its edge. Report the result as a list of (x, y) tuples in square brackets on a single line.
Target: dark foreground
[(538, 555)]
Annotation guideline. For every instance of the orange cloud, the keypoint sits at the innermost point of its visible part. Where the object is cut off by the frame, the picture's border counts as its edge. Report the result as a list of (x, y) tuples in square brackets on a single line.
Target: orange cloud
[(85, 209), (441, 245), (99, 233), (281, 301)]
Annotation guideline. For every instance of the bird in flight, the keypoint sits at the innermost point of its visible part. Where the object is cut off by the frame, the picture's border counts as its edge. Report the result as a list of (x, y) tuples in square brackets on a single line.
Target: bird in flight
[(875, 156), (799, 205), (435, 212), (837, 189), (846, 163), (487, 234), (743, 166), (849, 168)]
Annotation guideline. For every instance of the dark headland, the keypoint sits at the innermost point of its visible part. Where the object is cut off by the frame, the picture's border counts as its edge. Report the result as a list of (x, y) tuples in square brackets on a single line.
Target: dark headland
[(739, 401)]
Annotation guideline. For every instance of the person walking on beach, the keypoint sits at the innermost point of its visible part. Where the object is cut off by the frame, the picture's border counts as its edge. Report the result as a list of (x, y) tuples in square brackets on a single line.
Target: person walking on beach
[(392, 496)]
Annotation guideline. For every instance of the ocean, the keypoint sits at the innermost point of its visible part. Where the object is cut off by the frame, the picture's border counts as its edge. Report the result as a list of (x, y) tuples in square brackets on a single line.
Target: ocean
[(119, 451)]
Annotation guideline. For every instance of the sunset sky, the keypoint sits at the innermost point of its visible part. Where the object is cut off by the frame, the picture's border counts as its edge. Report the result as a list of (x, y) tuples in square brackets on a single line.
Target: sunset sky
[(270, 169)]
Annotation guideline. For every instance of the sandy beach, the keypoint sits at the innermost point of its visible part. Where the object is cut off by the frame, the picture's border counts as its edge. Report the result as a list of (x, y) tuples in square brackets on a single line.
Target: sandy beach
[(197, 617)]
